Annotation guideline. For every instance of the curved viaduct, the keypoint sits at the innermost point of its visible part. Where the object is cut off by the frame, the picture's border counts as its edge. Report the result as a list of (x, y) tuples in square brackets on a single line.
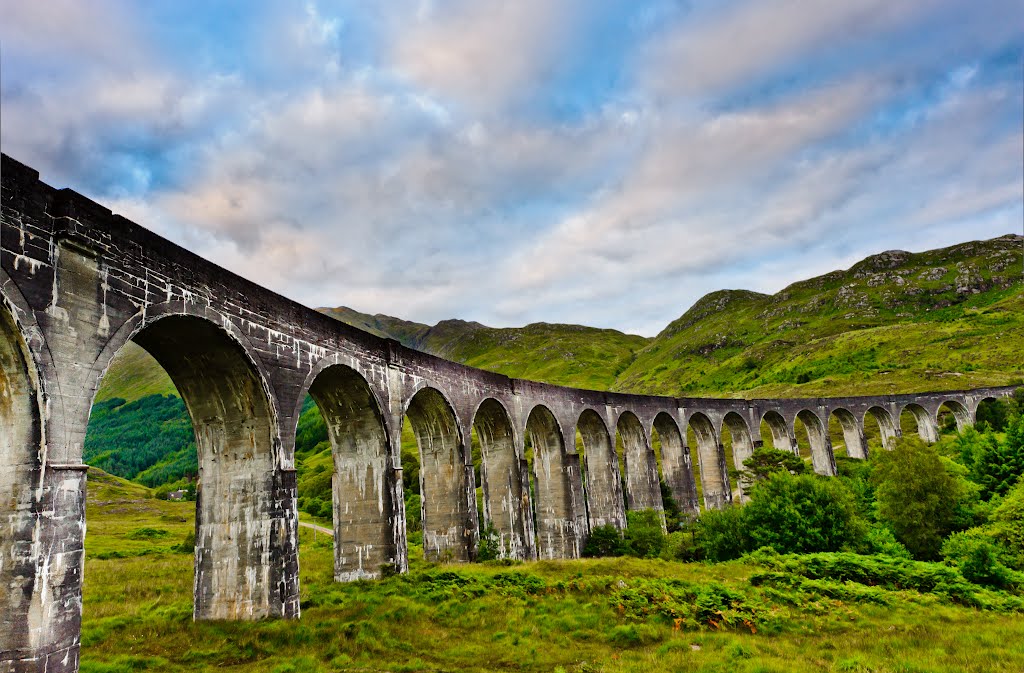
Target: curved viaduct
[(78, 282)]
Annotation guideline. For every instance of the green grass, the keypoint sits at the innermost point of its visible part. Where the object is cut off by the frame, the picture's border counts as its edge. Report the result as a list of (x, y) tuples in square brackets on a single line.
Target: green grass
[(592, 615)]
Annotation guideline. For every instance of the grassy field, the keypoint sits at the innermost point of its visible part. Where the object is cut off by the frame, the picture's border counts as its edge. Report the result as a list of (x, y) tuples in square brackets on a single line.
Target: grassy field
[(594, 615)]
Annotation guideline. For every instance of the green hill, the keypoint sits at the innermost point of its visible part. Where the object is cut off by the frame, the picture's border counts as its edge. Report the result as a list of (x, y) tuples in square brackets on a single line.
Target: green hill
[(895, 322)]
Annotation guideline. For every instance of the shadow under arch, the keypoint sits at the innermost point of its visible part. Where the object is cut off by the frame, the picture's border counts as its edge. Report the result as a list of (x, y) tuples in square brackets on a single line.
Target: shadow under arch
[(961, 414), (676, 467), (643, 487), (822, 459), (363, 483), (21, 493), (783, 438), (558, 535), (246, 538), (505, 480), (927, 427), (853, 433), (450, 526), (742, 448), (605, 502), (714, 478), (886, 426)]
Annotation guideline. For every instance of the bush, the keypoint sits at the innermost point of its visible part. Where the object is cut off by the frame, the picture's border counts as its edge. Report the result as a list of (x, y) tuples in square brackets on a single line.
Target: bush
[(978, 558), (680, 546), (803, 513), (766, 461), (923, 496), (604, 541), (644, 536), (489, 547), (720, 534), (881, 540), (1008, 526)]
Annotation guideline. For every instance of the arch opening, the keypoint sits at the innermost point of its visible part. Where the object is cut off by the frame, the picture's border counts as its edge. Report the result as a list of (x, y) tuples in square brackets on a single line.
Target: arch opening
[(854, 444), (953, 416), (887, 429), (244, 537), (20, 474), (779, 435), (363, 480), (605, 503), (447, 492), (819, 444), (741, 444), (504, 479), (714, 478), (991, 412), (676, 466), (558, 533), (917, 416), (643, 488)]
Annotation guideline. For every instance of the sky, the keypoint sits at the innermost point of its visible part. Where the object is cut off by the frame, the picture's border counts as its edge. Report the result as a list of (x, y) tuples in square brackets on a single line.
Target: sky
[(575, 161)]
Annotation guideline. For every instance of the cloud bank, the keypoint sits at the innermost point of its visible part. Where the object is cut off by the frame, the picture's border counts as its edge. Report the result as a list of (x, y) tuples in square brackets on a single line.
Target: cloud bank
[(605, 163)]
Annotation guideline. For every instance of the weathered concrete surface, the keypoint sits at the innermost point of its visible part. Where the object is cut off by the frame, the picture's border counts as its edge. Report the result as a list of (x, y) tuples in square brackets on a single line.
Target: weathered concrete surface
[(505, 483), (78, 282), (643, 486), (605, 501)]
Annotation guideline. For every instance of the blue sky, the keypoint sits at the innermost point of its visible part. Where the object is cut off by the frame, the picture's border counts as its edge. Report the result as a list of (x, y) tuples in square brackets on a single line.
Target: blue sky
[(595, 162)]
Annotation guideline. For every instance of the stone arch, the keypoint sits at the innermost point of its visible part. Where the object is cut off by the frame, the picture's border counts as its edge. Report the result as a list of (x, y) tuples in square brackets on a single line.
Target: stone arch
[(450, 527), (821, 446), (21, 475), (853, 433), (246, 536), (714, 478), (742, 446), (927, 428), (677, 470), (605, 503), (783, 438), (558, 535), (643, 488), (886, 426), (505, 481), (961, 414), (365, 504)]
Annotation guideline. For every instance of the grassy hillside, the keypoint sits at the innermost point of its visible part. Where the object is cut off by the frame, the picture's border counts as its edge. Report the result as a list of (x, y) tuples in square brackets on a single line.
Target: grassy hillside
[(895, 322), (609, 615)]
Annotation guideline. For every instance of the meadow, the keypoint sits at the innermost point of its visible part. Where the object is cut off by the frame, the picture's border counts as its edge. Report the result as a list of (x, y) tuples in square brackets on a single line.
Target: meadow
[(761, 613)]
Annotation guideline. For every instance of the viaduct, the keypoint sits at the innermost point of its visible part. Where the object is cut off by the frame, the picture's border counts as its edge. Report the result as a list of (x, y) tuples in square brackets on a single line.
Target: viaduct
[(78, 282)]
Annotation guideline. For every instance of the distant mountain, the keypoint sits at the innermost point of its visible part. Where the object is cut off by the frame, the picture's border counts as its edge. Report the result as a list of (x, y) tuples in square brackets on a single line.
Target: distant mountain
[(894, 322)]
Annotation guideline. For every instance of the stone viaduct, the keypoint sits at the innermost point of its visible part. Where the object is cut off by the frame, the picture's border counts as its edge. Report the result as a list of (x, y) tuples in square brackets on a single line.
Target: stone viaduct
[(78, 282)]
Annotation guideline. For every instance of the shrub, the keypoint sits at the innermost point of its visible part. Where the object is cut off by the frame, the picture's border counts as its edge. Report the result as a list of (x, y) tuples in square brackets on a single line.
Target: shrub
[(604, 541), (644, 536), (977, 557), (1008, 525), (881, 540), (803, 513), (720, 535), (766, 461), (489, 547), (921, 495)]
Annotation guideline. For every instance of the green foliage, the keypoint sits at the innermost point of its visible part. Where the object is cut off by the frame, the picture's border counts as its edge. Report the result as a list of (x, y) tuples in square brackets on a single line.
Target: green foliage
[(721, 535), (604, 541), (149, 439), (644, 536), (489, 547), (802, 513), (766, 461), (922, 496), (978, 559), (998, 464), (1007, 525)]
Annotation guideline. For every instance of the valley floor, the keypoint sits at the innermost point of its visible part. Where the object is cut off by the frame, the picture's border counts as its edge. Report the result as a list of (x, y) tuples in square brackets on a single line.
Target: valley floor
[(593, 615)]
